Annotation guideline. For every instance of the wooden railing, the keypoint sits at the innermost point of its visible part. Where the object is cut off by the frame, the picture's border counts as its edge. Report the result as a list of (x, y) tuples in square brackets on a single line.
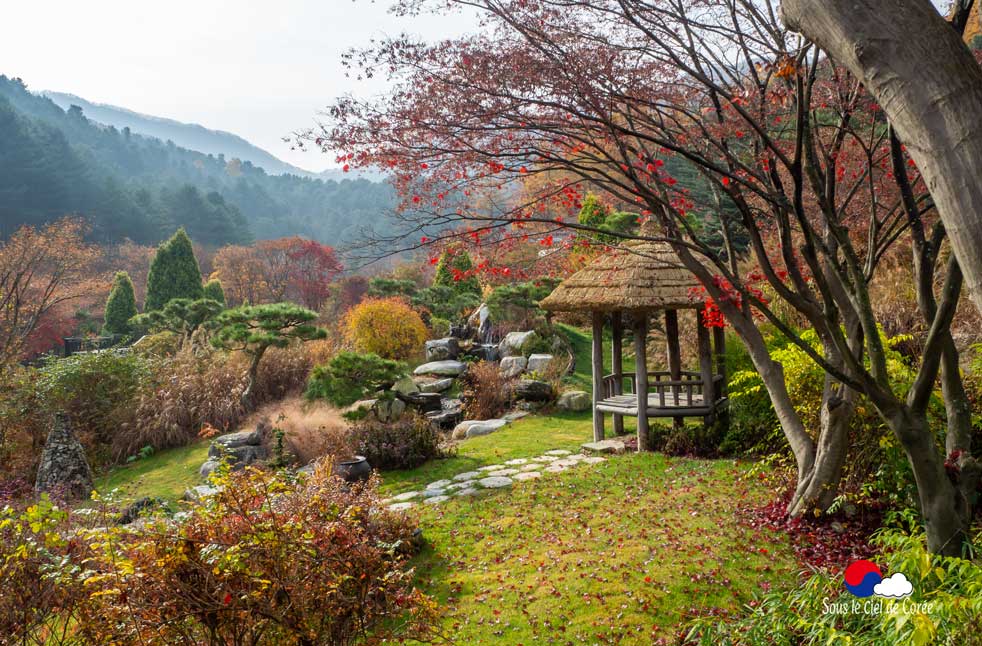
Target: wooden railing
[(676, 392)]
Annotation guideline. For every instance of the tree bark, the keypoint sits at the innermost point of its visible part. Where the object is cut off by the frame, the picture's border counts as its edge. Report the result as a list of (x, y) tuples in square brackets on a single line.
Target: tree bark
[(930, 87)]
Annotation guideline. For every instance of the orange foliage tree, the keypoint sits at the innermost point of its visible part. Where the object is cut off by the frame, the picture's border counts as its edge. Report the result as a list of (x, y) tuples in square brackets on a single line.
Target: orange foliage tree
[(40, 271), (388, 327)]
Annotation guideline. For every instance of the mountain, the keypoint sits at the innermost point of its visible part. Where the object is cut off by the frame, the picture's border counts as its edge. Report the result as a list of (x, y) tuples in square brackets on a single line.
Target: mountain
[(56, 162), (186, 135)]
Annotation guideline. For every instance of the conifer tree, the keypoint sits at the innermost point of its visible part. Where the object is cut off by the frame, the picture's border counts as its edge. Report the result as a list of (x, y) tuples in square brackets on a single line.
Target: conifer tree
[(214, 291), (121, 305), (174, 273)]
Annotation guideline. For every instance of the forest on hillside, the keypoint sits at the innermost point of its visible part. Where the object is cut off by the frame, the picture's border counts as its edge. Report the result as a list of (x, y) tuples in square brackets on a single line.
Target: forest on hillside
[(127, 186)]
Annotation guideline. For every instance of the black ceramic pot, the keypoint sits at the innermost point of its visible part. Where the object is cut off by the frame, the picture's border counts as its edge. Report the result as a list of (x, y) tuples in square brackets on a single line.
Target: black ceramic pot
[(354, 470)]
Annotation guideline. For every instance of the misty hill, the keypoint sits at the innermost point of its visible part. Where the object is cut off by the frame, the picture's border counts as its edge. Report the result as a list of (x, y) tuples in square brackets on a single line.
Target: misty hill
[(186, 135), (55, 162)]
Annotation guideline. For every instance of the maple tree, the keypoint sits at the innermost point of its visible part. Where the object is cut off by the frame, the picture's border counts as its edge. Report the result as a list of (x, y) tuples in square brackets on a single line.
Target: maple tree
[(41, 271), (625, 97)]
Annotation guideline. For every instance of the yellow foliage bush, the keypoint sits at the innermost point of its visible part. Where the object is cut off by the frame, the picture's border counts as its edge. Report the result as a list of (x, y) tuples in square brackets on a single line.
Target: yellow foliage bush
[(388, 327)]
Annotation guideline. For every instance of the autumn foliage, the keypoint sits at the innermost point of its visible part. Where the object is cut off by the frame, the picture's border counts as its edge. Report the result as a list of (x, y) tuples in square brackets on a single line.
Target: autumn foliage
[(387, 327)]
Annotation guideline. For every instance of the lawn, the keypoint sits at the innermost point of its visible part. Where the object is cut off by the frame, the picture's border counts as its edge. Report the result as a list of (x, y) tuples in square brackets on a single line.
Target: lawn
[(617, 553), (165, 474)]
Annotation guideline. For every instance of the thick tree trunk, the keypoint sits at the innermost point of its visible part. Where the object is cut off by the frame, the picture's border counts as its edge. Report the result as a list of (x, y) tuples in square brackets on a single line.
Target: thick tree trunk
[(958, 440), (247, 394), (944, 523), (930, 87)]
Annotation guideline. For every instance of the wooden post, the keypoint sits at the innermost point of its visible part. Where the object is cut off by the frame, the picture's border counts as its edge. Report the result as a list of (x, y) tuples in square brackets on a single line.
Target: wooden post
[(674, 358), (598, 375), (706, 364), (617, 363), (719, 345), (641, 373)]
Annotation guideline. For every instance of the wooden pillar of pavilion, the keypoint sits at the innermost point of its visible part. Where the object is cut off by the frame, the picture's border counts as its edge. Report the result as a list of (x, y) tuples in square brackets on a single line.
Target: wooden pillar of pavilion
[(597, 359), (719, 344), (641, 375), (706, 363), (674, 358), (617, 363)]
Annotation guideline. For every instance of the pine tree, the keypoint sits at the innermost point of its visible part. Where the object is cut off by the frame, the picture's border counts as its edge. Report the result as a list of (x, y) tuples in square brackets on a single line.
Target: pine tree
[(174, 273), (453, 271), (214, 291), (120, 306)]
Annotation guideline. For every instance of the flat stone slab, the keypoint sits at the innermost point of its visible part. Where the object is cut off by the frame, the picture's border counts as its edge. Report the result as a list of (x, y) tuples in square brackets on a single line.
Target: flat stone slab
[(593, 459), (527, 475), (539, 362), (492, 467), (441, 368), (566, 462), (469, 491), (457, 486), (559, 452), (605, 446), (467, 475), (433, 493), (400, 506), (495, 482), (503, 473), (409, 495), (438, 386), (515, 415), (555, 468), (436, 500), (516, 462), (535, 466), (545, 458), (439, 484)]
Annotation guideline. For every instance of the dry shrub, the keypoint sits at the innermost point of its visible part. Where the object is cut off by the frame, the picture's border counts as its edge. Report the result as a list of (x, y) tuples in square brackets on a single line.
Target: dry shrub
[(485, 391), (186, 393), (312, 429), (282, 372), (22, 428)]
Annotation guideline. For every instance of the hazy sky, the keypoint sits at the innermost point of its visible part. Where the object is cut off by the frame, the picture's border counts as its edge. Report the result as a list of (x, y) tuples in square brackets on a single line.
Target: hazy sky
[(258, 68)]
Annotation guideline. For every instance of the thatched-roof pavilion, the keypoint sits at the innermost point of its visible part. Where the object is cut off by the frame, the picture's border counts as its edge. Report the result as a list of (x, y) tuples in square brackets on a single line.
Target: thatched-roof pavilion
[(631, 283)]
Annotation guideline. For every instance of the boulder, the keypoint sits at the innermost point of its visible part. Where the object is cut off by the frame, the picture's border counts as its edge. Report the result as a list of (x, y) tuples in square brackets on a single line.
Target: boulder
[(533, 390), (539, 362), (199, 493), (481, 352), (442, 349), (425, 402), (473, 428), (512, 344), (435, 385), (63, 468), (405, 386), (441, 368), (141, 507), (450, 413), (575, 401), (235, 440), (208, 467), (513, 366), (388, 410)]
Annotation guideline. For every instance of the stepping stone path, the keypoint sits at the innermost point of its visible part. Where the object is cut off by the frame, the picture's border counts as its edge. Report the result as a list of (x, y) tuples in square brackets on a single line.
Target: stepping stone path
[(492, 476)]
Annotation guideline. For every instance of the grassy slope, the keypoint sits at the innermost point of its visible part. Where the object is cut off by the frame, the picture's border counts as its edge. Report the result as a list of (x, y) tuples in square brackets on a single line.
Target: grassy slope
[(166, 474)]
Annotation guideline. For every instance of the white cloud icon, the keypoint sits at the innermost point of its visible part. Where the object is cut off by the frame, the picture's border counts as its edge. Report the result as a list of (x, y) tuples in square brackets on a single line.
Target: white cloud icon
[(895, 586)]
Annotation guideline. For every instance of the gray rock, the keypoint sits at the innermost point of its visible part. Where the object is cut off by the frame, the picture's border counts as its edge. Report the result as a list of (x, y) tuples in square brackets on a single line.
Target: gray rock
[(513, 366), (503, 472), (409, 495), (208, 467), (201, 492), (467, 475), (140, 508), (425, 402), (555, 468), (512, 344), (527, 475), (559, 452), (433, 493), (436, 500), (539, 362), (485, 428), (63, 468), (495, 482), (460, 485), (441, 368), (516, 462), (605, 446), (442, 349), (405, 386), (575, 401), (492, 467), (446, 419), (515, 415), (467, 491), (235, 440), (533, 390), (388, 410), (400, 506), (435, 385)]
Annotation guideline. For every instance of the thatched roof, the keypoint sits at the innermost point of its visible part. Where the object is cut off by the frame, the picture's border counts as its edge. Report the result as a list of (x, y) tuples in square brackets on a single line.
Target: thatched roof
[(634, 276)]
